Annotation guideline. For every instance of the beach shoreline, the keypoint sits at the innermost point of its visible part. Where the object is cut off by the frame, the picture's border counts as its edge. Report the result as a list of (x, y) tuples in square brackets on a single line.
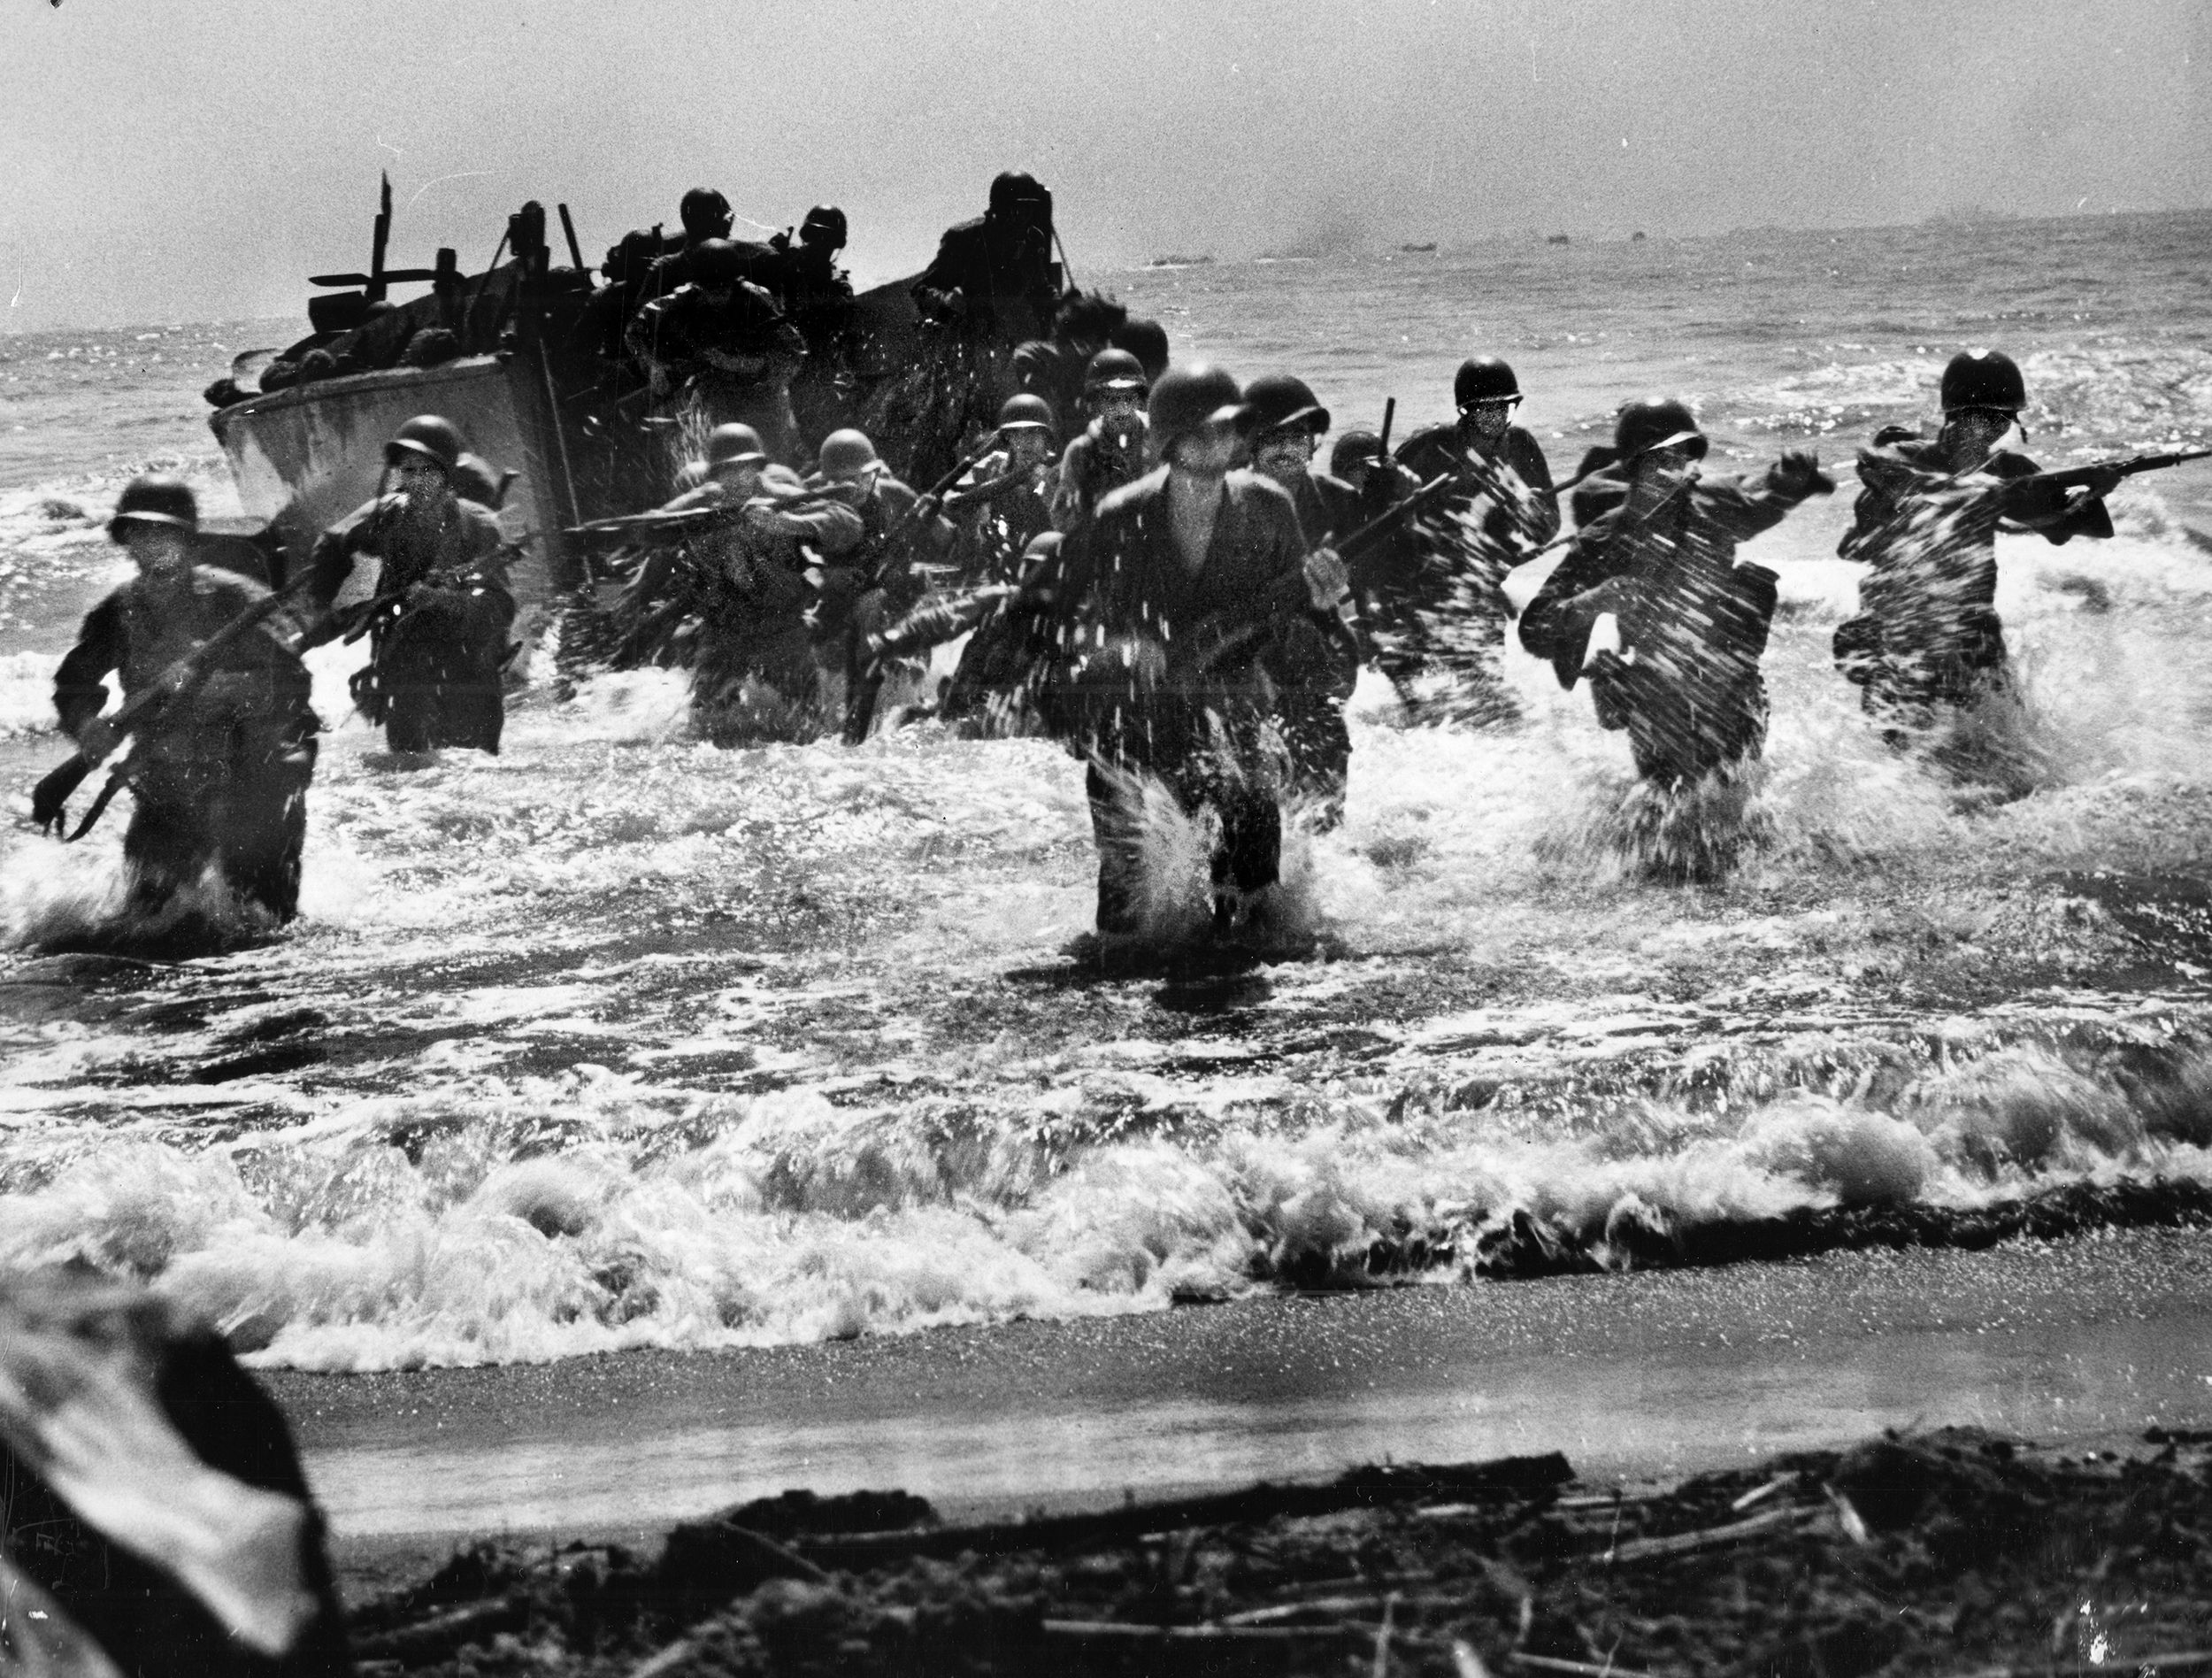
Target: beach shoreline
[(1639, 1379)]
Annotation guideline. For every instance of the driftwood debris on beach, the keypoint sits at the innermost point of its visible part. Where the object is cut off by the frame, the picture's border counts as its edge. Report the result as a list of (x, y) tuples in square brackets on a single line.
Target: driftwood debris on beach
[(1937, 1554)]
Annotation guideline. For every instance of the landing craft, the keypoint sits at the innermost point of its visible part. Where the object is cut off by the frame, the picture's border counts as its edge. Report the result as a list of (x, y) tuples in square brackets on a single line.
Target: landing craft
[(510, 357)]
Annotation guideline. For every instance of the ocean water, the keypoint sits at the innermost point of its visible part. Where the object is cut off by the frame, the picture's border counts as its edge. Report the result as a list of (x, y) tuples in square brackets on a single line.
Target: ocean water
[(620, 1039)]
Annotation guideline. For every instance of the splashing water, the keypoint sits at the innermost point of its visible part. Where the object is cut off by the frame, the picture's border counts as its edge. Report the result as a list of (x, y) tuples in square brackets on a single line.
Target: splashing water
[(619, 1039)]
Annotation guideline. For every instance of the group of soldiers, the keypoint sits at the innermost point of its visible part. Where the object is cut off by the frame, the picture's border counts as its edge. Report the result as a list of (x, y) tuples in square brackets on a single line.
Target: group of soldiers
[(1148, 561)]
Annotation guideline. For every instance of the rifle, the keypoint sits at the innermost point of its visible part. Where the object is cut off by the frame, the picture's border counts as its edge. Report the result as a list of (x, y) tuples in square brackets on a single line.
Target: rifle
[(683, 518), (944, 486), (1390, 412), (50, 796), (656, 520), (350, 625), (860, 707), (2072, 477)]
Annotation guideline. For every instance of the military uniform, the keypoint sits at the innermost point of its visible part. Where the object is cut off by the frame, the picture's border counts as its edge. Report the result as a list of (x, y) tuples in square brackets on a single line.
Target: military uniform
[(734, 359), (1203, 730), (1411, 583), (1004, 272), (999, 520), (1315, 664), (1693, 624), (1092, 467), (1928, 635), (220, 775), (437, 659), (758, 611)]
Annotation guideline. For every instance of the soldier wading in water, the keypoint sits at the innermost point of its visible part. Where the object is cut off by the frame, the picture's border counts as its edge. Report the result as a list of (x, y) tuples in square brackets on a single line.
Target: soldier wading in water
[(438, 648), (1927, 642), (1165, 608), (1692, 623), (218, 772)]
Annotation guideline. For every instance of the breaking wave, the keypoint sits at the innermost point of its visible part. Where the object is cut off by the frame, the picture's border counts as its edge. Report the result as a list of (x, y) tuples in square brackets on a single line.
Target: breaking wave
[(539, 1219), (619, 1039)]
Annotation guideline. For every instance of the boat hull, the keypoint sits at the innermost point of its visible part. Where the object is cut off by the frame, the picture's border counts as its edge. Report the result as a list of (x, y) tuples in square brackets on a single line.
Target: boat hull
[(305, 457)]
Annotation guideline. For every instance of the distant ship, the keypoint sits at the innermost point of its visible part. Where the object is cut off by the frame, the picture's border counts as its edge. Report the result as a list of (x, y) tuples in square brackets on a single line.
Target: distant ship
[(1430, 246), (1635, 238), (1179, 262), (1555, 239)]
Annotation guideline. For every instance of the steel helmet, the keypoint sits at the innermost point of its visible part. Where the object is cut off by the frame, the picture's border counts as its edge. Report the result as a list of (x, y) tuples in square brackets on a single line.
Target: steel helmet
[(476, 478), (1044, 545), (1187, 399), (1024, 412), (1016, 188), (1114, 370), (704, 210), (830, 220), (1984, 379), (1483, 378), (155, 500), (733, 444), (846, 454), (715, 262), (1356, 447), (429, 435), (1280, 400), (1147, 340), (1655, 422)]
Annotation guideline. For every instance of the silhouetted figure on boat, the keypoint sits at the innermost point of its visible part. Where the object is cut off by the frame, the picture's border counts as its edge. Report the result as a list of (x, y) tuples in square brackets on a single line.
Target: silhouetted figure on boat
[(719, 349)]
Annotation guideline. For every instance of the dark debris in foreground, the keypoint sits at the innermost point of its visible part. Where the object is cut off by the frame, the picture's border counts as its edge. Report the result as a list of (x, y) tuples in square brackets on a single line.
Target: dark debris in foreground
[(1955, 1553)]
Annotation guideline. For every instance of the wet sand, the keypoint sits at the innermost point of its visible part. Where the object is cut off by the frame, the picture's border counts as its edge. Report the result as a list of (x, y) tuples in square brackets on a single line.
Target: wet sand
[(2081, 1344)]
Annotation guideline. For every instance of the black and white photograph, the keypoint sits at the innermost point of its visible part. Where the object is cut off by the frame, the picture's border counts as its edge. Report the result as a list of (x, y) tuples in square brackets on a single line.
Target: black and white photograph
[(1351, 837)]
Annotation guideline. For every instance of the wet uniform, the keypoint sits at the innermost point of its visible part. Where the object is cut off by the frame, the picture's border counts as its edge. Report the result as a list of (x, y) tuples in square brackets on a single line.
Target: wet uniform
[(999, 521), (873, 582), (221, 775), (1402, 578), (435, 659), (1201, 731), (1928, 635), (1004, 272), (1092, 467), (1694, 623), (1315, 665), (733, 359), (756, 601)]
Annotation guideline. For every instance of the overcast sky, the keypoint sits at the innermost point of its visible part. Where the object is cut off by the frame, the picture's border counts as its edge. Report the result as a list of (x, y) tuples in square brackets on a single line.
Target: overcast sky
[(194, 159)]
